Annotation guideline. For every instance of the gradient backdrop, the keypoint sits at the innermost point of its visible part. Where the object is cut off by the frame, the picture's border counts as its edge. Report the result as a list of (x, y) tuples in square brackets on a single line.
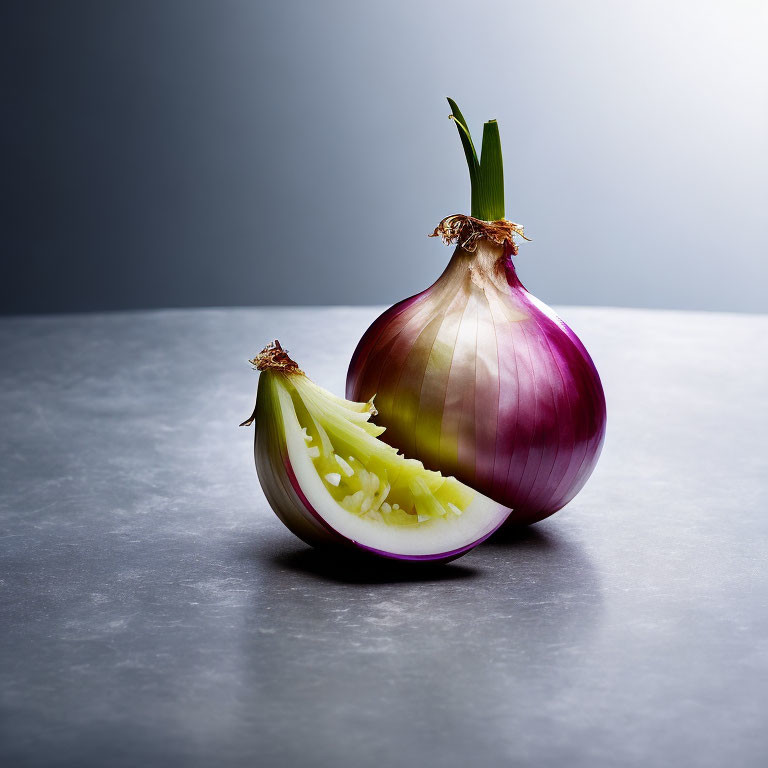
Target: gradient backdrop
[(167, 153)]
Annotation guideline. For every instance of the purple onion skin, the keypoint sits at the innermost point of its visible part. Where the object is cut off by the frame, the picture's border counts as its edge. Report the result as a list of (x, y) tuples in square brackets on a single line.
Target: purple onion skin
[(479, 379)]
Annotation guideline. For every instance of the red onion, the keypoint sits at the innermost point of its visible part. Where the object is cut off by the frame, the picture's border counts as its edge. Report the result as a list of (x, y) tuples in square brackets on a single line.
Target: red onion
[(479, 379)]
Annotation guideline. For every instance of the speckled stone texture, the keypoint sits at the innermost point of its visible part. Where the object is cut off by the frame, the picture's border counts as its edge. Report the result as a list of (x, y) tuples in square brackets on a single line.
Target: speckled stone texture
[(155, 612)]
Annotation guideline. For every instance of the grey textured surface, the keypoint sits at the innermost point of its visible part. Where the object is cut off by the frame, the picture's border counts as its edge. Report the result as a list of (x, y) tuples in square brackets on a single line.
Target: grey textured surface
[(155, 612)]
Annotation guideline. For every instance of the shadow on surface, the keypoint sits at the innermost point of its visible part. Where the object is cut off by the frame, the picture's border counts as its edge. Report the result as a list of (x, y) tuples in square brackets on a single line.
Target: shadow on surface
[(344, 568), (529, 538)]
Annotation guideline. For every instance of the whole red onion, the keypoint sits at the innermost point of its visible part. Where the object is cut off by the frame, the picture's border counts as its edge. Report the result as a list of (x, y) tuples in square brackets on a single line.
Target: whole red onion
[(479, 379)]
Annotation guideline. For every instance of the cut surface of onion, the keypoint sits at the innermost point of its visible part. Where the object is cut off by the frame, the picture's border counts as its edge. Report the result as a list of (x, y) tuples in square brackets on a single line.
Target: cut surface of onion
[(331, 480)]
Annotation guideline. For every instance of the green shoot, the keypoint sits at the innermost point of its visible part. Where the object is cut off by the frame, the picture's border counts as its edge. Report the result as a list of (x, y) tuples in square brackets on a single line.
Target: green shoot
[(486, 176)]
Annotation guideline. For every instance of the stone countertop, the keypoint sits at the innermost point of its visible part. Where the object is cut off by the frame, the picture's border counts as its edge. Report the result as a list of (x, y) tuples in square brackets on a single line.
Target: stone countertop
[(153, 610)]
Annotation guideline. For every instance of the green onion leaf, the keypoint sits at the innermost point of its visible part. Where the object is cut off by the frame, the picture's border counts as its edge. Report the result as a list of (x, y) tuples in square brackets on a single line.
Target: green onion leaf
[(492, 173), (486, 175), (469, 151)]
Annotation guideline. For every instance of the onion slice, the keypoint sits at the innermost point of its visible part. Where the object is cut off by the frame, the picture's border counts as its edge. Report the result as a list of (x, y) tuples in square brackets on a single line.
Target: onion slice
[(331, 480)]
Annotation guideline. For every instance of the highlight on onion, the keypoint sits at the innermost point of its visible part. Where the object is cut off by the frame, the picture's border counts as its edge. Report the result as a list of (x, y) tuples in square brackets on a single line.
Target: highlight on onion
[(331, 480), (475, 376)]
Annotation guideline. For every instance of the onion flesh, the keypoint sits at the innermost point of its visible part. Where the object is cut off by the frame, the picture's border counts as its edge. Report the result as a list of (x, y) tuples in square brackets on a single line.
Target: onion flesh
[(331, 480)]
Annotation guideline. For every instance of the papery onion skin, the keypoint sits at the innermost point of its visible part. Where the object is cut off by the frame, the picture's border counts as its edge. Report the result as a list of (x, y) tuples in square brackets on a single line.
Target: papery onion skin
[(479, 379)]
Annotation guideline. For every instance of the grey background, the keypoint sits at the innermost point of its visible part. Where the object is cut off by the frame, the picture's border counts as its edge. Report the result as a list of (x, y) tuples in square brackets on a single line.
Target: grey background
[(239, 153)]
